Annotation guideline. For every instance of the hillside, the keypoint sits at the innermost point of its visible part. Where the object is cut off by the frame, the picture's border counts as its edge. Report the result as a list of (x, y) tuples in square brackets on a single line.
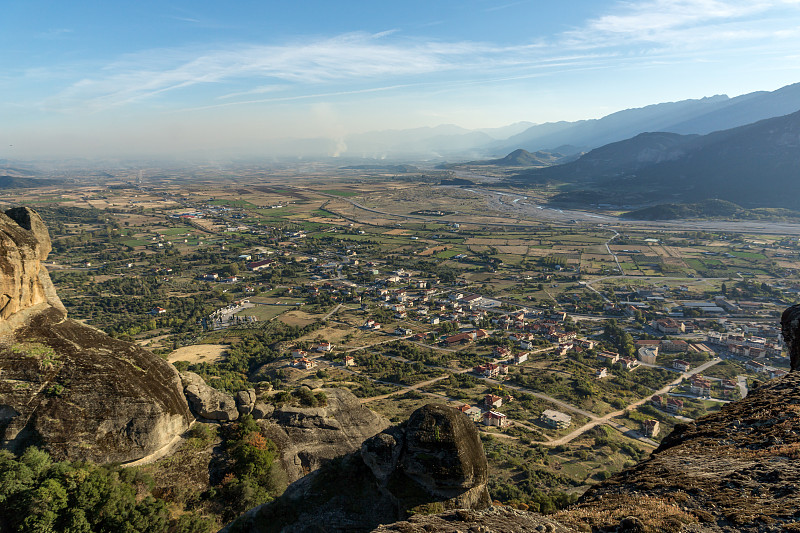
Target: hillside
[(753, 166), (20, 182)]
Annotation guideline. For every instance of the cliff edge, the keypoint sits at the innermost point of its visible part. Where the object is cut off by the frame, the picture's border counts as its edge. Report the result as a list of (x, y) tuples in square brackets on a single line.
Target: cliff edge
[(64, 386)]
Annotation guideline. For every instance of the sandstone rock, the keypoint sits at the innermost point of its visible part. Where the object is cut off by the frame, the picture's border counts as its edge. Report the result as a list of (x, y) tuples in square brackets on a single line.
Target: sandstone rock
[(208, 402), (434, 463), (246, 401), (67, 387), (25, 286), (262, 410)]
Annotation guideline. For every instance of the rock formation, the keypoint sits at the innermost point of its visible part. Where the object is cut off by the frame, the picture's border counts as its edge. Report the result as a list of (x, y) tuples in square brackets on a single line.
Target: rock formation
[(67, 387), (307, 437), (208, 402), (25, 286), (433, 463)]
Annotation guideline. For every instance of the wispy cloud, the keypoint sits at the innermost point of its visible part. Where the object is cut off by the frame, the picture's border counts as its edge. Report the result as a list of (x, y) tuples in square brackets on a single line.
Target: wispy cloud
[(356, 63), (55, 33)]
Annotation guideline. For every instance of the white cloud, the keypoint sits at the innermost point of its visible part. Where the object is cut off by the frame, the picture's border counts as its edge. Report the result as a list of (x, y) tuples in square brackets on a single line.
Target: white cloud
[(357, 63)]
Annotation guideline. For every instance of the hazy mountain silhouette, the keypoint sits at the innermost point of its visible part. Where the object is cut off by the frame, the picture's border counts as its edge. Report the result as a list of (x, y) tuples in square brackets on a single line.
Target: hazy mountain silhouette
[(756, 165)]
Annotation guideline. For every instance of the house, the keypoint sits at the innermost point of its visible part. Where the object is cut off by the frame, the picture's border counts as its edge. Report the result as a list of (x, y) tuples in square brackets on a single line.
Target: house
[(371, 324), (501, 352), (491, 401), (526, 344), (493, 418), (700, 386), (460, 338), (489, 370), (474, 413), (520, 358), (601, 373), (674, 405), (324, 347), (673, 346), (157, 311), (434, 320), (650, 428), (259, 265), (628, 364), (755, 366), (776, 373), (304, 363), (403, 332), (679, 364), (297, 352), (658, 401), (608, 357), (555, 419), (349, 360), (669, 326)]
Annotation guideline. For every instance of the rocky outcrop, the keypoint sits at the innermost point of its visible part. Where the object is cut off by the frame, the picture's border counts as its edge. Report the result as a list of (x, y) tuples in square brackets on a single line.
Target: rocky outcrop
[(25, 286), (208, 402), (246, 401), (433, 463), (493, 520), (307, 437), (65, 386), (735, 470)]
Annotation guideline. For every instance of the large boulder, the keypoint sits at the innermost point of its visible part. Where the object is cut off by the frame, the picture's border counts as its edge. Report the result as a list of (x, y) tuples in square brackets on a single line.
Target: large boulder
[(67, 387), (433, 463), (208, 402), (246, 401)]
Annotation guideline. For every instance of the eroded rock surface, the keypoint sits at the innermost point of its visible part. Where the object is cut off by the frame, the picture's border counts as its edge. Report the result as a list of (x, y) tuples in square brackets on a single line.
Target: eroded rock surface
[(433, 463), (206, 401), (309, 436), (735, 470), (67, 387), (25, 285)]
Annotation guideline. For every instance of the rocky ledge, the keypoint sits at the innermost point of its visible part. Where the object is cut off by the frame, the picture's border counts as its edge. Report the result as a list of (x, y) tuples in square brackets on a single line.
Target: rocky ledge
[(67, 387)]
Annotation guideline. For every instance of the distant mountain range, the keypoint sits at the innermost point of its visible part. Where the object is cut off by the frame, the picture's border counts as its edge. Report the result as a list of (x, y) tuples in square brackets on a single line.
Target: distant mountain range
[(756, 165), (451, 142), (15, 182)]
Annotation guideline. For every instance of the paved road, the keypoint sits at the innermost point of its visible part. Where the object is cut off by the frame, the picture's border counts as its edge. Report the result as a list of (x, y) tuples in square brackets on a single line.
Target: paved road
[(742, 382)]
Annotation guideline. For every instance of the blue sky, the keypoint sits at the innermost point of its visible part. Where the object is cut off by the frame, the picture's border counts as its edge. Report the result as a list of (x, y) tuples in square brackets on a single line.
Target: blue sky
[(115, 78)]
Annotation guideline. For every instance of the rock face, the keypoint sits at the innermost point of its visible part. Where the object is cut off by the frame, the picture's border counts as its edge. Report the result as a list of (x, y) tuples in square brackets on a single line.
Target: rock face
[(208, 402), (433, 463), (309, 436), (67, 387), (25, 286), (735, 470)]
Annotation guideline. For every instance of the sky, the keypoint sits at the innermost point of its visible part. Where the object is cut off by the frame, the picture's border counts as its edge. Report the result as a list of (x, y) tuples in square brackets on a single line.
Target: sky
[(103, 79)]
